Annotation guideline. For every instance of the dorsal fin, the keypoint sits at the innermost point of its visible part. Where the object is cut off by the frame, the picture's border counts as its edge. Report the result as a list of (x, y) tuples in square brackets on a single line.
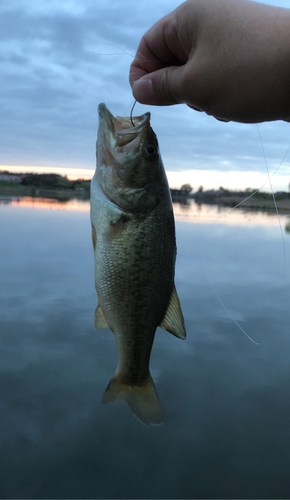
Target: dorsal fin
[(99, 319), (173, 320)]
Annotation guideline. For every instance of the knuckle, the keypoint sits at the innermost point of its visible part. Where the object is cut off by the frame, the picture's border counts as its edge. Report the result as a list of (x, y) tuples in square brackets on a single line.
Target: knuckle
[(198, 90), (165, 87)]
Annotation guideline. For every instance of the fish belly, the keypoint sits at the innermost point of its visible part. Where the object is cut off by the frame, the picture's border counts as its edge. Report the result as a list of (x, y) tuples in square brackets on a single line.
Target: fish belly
[(134, 277)]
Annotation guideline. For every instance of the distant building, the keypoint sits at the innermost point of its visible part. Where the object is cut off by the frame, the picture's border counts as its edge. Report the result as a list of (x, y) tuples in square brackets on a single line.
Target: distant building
[(15, 179)]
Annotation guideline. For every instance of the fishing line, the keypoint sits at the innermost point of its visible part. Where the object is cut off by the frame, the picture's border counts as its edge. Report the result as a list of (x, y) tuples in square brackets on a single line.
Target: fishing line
[(274, 200), (131, 118), (231, 210), (211, 283), (128, 107), (121, 51)]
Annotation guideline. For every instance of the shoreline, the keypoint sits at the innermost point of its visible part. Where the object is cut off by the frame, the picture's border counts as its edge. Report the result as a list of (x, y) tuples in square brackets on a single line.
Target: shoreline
[(252, 203), (35, 192), (224, 201)]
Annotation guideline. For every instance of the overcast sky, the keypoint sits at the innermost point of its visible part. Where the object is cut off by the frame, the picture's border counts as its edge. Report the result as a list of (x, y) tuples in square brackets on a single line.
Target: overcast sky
[(53, 78)]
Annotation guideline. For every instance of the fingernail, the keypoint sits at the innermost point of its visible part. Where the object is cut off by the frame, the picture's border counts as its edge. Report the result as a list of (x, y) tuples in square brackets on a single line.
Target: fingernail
[(143, 90), (222, 119), (195, 108)]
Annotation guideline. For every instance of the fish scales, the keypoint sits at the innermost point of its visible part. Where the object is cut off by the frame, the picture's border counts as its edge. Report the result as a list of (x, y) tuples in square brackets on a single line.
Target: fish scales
[(135, 251), (140, 278)]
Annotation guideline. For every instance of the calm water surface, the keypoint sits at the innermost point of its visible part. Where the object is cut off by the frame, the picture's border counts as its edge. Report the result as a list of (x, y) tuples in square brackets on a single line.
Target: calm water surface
[(226, 400)]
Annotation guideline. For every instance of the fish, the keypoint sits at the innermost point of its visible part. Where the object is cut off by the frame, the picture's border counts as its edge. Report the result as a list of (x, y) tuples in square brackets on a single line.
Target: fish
[(133, 234)]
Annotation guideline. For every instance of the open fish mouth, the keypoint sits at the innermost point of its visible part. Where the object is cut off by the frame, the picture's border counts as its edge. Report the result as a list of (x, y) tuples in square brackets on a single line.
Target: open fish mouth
[(120, 129)]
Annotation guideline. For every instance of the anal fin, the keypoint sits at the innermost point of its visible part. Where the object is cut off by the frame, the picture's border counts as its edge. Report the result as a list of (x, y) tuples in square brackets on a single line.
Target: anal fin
[(173, 320)]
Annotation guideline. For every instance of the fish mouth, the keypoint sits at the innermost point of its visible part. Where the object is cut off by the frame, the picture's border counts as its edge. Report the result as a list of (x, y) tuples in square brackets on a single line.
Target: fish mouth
[(120, 131)]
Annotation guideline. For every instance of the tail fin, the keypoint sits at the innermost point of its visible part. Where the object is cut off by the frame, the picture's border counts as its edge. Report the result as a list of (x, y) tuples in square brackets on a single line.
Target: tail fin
[(142, 399)]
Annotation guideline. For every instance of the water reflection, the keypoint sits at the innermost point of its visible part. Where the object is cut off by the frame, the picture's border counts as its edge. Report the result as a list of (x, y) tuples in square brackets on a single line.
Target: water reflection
[(223, 215), (226, 400), (46, 203), (185, 210)]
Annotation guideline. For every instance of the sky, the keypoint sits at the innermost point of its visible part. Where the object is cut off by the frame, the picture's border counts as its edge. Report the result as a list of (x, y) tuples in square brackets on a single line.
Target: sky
[(56, 67)]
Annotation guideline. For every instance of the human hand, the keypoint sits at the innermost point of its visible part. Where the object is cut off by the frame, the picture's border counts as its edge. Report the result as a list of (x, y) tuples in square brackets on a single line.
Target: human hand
[(228, 58)]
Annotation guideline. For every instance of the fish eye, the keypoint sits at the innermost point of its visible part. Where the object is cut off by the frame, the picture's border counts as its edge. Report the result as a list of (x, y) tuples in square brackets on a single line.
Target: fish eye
[(150, 151)]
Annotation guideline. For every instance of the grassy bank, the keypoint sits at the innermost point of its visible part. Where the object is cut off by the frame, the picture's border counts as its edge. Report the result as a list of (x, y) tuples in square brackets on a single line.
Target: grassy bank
[(256, 203), (7, 189)]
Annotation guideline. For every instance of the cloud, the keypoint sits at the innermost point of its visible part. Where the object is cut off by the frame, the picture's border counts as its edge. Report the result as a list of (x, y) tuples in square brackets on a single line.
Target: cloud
[(55, 71)]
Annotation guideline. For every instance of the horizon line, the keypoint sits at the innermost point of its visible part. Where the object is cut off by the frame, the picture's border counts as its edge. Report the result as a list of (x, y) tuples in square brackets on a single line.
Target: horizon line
[(209, 179)]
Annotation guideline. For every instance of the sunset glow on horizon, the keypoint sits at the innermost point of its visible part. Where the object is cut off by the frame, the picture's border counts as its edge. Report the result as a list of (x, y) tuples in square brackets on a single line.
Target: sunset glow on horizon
[(71, 173), (209, 179), (190, 213), (52, 204)]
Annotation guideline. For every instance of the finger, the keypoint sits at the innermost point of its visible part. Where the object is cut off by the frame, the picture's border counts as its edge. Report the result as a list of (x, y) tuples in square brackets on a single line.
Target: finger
[(159, 47), (195, 108), (161, 88), (137, 69), (145, 62)]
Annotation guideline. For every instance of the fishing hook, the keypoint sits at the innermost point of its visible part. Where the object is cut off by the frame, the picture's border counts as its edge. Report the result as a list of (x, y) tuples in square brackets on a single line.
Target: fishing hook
[(131, 119)]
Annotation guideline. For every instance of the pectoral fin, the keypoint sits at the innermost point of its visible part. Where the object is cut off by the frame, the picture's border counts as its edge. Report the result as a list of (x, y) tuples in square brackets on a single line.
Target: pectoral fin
[(99, 319), (173, 320), (94, 236)]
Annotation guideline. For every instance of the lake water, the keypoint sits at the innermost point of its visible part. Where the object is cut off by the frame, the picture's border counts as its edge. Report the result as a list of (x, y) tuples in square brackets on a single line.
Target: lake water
[(226, 400)]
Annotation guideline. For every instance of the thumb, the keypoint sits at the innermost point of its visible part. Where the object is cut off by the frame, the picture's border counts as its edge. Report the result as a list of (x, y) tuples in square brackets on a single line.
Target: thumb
[(160, 88)]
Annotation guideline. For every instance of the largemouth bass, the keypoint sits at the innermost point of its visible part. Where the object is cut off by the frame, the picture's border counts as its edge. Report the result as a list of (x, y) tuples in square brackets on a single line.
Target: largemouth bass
[(134, 245)]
